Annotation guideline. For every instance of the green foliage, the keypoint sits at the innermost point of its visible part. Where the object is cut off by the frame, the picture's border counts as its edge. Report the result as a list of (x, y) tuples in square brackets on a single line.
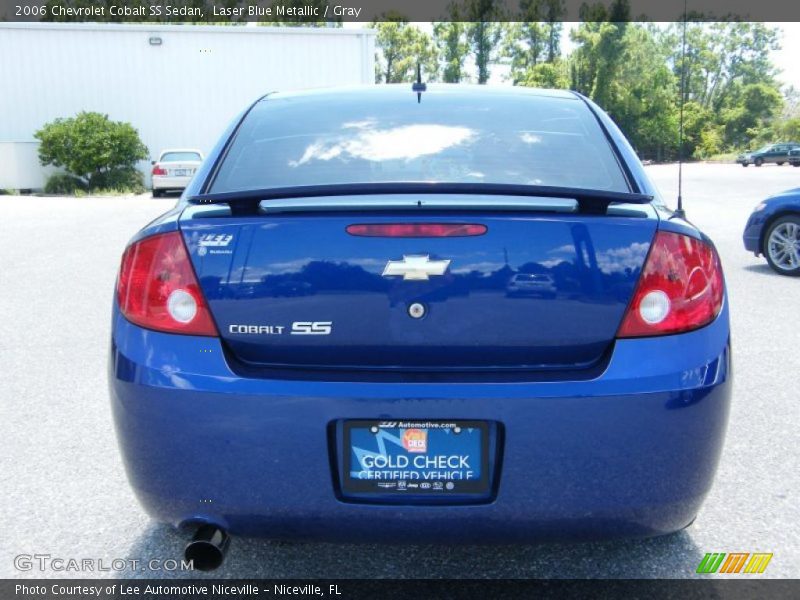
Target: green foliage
[(451, 41), (788, 130), (546, 75), (92, 148), (484, 33), (733, 99), (401, 47), (535, 40), (723, 57), (757, 104), (643, 94), (122, 179), (601, 46), (633, 71), (711, 142), (696, 118), (63, 184)]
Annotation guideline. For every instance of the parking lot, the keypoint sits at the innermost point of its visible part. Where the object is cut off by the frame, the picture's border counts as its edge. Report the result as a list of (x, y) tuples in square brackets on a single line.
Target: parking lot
[(64, 488)]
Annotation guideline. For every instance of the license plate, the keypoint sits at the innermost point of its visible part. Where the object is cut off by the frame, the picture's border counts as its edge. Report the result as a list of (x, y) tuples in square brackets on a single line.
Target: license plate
[(416, 457), (182, 172)]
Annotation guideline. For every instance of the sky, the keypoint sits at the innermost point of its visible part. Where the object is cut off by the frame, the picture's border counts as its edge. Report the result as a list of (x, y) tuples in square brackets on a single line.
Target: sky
[(787, 59)]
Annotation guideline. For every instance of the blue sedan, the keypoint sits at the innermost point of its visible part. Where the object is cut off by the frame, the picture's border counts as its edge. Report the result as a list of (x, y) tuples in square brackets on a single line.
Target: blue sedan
[(773, 230), (402, 390)]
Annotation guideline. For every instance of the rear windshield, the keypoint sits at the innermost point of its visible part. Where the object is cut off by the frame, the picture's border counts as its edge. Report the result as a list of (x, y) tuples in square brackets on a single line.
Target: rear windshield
[(180, 156), (447, 137)]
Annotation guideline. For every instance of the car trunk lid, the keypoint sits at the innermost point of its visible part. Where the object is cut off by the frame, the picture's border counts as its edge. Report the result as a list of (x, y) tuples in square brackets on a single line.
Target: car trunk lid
[(534, 291)]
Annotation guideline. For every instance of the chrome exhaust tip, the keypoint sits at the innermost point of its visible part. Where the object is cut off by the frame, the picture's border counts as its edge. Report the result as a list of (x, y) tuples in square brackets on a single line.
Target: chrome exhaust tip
[(207, 549)]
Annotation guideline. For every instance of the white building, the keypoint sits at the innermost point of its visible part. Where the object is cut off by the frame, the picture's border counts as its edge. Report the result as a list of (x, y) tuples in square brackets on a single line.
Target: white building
[(179, 85)]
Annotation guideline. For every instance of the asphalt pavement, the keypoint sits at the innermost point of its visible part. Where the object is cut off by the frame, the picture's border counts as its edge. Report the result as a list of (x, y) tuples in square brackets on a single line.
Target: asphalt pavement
[(64, 491)]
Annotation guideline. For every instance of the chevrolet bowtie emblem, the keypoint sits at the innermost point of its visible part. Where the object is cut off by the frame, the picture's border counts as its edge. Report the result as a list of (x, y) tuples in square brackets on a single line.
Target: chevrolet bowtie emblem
[(417, 268)]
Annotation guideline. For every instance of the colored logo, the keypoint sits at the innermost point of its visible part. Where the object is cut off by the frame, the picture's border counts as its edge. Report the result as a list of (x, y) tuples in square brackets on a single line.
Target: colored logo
[(734, 562), (415, 440)]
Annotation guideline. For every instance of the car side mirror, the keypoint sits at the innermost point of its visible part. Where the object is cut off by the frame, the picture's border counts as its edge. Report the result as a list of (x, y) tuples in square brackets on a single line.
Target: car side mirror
[(152, 162)]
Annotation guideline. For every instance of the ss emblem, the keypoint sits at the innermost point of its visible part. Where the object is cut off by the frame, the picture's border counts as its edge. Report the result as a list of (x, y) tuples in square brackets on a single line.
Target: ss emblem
[(312, 327)]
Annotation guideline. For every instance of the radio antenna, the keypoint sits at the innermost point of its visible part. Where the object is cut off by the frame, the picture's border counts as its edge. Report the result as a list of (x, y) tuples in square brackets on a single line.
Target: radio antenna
[(419, 86), (679, 212)]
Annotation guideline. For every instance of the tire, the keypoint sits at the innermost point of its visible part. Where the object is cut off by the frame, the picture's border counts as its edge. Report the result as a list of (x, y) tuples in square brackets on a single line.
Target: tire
[(745, 165), (157, 193), (780, 164), (758, 162), (782, 245), (795, 164)]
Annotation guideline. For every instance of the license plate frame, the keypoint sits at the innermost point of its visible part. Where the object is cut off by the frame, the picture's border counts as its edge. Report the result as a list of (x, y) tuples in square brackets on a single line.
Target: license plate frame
[(479, 486)]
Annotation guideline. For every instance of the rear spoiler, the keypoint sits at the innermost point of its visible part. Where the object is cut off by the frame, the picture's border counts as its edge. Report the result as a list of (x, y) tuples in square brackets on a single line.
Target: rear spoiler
[(249, 201)]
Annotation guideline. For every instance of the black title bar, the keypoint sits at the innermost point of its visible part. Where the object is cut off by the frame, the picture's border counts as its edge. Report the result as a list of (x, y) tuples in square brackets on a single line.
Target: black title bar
[(393, 589), (365, 11)]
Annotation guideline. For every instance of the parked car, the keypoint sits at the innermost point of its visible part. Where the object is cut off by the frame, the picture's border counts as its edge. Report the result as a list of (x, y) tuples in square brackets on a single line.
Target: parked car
[(771, 153), (773, 230), (794, 157), (174, 170), (366, 411), (536, 284)]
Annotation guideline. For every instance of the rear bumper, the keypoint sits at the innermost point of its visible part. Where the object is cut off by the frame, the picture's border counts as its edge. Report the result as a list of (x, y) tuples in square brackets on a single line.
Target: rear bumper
[(631, 453), (164, 182)]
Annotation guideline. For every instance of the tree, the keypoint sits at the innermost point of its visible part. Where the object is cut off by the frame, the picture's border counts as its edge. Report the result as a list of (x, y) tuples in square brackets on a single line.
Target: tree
[(788, 129), (451, 41), (731, 80), (791, 103), (601, 43), (483, 34), (536, 39), (758, 105), (547, 75), (92, 148), (720, 56), (554, 12), (643, 97), (401, 47)]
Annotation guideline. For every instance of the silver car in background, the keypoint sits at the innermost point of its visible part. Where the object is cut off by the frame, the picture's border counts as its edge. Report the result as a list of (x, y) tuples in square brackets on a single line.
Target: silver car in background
[(174, 170), (531, 284)]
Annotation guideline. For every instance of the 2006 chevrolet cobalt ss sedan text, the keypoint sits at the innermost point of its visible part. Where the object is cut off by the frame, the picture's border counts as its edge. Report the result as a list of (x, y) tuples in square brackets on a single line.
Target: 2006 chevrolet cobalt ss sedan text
[(319, 341)]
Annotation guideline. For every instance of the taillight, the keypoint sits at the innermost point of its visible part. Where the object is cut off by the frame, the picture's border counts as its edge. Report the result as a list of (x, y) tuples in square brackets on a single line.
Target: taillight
[(416, 229), (159, 170), (157, 287), (681, 288)]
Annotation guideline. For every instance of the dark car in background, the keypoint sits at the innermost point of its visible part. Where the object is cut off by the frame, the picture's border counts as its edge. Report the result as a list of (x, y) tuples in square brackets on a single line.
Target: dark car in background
[(772, 153), (773, 230)]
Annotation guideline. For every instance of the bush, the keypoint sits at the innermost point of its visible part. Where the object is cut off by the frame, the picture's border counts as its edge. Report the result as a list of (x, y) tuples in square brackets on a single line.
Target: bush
[(93, 149), (122, 179), (710, 142), (64, 184)]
